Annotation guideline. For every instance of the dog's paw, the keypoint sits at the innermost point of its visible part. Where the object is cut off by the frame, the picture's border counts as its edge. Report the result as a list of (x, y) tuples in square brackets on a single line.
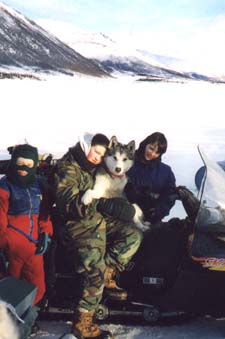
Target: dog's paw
[(138, 216), (143, 226), (138, 219), (87, 197), (146, 226)]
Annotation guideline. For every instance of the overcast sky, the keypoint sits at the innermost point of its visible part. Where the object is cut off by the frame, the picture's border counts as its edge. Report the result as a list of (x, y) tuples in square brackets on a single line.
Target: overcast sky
[(194, 29), (125, 15)]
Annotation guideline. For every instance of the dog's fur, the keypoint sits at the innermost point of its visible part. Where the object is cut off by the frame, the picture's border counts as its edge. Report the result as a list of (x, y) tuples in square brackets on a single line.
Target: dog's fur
[(8, 326), (111, 178)]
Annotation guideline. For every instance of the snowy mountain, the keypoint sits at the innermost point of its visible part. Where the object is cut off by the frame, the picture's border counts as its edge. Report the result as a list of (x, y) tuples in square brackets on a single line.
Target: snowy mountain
[(97, 45), (120, 58), (24, 45)]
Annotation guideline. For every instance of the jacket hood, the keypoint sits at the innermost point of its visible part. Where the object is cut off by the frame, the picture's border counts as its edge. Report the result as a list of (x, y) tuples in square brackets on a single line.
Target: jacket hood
[(85, 142)]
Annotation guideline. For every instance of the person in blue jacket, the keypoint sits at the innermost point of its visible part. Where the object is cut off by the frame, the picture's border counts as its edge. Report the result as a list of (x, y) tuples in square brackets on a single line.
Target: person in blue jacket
[(152, 184)]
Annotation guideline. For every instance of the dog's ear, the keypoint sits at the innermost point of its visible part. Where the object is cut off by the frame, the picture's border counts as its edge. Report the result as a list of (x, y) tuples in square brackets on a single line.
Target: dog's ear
[(131, 146), (113, 142)]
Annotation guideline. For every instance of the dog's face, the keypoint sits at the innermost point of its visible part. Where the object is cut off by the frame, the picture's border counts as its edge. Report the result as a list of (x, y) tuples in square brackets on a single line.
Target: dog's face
[(119, 158)]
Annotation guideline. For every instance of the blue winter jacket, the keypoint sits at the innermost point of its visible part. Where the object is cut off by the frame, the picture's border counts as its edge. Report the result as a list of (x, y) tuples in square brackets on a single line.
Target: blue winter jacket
[(152, 186), (25, 210)]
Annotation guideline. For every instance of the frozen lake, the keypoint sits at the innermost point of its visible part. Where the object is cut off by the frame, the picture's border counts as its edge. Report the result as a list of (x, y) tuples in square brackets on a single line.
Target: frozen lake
[(51, 114)]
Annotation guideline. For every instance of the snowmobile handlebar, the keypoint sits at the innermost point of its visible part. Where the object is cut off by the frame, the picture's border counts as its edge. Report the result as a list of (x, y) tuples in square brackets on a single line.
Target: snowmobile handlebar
[(190, 203)]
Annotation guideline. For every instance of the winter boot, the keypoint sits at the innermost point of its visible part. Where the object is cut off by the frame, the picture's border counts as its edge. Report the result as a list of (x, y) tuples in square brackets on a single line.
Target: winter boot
[(83, 326), (112, 291)]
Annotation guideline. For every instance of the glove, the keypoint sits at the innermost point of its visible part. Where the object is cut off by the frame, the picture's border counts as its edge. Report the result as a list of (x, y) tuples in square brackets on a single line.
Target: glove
[(190, 203), (118, 208), (42, 244)]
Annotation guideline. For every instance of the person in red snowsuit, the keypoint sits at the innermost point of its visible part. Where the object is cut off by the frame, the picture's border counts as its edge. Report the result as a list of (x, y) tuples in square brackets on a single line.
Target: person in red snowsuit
[(23, 217)]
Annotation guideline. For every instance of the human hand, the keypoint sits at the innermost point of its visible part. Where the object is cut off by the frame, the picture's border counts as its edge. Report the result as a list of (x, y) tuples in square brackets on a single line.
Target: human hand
[(42, 244), (139, 219), (119, 208)]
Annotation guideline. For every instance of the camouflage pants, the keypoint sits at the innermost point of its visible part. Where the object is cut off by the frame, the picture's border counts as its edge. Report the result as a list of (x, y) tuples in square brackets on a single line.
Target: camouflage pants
[(93, 245)]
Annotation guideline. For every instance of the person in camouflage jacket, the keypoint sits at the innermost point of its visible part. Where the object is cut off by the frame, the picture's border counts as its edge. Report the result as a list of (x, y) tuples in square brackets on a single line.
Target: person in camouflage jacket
[(98, 243)]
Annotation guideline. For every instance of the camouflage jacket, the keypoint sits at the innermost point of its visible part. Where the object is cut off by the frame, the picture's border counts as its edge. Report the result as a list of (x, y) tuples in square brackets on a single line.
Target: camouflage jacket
[(71, 181)]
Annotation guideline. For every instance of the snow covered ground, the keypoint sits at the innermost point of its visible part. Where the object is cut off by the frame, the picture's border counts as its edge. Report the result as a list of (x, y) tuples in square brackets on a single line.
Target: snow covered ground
[(51, 114), (203, 328)]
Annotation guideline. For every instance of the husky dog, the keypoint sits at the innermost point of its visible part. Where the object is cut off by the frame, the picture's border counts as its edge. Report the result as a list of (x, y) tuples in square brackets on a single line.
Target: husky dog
[(111, 178), (8, 326)]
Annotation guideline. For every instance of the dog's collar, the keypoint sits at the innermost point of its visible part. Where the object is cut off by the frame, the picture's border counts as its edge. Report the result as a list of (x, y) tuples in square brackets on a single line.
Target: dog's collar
[(116, 175)]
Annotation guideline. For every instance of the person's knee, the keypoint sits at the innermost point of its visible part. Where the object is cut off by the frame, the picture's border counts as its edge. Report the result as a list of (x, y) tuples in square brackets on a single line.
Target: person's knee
[(90, 259)]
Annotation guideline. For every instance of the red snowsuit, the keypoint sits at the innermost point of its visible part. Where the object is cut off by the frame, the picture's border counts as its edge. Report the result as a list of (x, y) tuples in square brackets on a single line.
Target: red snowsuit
[(24, 214)]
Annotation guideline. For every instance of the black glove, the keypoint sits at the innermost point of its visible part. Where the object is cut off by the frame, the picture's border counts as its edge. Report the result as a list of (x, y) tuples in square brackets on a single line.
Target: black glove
[(118, 208), (190, 202)]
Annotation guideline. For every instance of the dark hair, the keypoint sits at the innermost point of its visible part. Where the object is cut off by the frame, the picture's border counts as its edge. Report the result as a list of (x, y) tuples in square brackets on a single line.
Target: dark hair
[(100, 139), (159, 139), (153, 138)]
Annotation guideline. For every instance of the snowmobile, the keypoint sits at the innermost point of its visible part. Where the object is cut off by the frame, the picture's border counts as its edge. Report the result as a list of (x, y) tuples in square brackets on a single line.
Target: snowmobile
[(178, 269)]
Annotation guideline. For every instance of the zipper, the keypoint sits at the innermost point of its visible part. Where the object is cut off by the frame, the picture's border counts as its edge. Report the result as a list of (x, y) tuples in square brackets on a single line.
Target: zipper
[(30, 213)]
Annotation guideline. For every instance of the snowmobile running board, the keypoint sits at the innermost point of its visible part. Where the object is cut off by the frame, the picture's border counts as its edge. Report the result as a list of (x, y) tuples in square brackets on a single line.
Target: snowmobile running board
[(57, 310), (151, 313), (134, 309), (146, 311)]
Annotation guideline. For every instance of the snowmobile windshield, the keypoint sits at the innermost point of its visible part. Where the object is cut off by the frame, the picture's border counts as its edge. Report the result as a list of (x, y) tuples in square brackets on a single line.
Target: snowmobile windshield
[(211, 214)]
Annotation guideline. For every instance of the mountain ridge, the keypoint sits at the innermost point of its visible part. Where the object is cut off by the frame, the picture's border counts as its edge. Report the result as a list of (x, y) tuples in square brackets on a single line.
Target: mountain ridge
[(30, 48), (117, 58), (23, 43)]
